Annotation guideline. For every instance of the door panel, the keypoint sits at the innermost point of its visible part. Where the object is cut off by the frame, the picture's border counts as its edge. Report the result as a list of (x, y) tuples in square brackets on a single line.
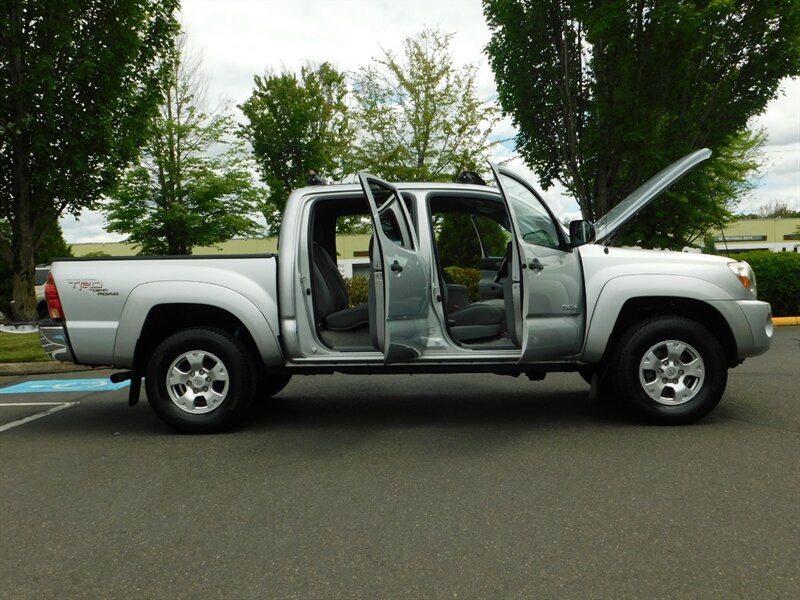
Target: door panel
[(402, 333), (549, 302)]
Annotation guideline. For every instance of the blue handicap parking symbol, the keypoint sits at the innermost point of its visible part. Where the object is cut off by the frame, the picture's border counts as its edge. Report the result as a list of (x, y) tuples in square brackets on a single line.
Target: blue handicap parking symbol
[(64, 385)]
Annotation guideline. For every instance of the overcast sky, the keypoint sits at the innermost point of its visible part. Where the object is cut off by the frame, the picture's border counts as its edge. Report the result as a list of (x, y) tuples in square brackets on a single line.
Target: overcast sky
[(241, 38)]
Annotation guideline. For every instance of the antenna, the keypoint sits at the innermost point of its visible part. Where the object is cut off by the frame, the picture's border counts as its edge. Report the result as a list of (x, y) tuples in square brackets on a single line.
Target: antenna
[(719, 215)]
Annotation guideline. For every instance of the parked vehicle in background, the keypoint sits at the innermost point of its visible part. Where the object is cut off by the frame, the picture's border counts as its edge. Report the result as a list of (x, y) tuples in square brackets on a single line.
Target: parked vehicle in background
[(40, 278), (209, 334)]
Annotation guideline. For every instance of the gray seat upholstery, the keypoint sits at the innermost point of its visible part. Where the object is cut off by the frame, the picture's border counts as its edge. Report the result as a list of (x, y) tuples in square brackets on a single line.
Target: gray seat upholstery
[(330, 294), (476, 321)]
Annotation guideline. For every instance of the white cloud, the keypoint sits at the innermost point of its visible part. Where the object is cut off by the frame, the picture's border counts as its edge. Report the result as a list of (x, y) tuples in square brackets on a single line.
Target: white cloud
[(89, 227)]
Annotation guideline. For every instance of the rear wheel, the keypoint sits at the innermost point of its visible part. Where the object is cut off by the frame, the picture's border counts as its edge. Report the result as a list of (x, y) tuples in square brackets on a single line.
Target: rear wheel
[(670, 370), (200, 380)]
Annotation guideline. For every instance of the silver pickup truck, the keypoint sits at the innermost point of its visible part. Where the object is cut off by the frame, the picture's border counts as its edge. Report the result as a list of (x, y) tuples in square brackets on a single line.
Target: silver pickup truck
[(208, 334)]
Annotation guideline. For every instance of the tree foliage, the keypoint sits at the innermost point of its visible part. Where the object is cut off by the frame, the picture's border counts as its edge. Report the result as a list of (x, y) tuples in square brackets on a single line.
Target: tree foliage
[(192, 185), (77, 80), (52, 246), (297, 125), (776, 209), (418, 115), (457, 239), (605, 94)]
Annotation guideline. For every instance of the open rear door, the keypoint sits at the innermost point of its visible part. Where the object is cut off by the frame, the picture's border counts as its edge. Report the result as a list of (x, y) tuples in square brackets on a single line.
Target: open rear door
[(402, 332)]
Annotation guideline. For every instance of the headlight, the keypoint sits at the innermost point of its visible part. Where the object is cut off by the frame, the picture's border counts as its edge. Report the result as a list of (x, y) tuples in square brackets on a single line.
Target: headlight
[(745, 274)]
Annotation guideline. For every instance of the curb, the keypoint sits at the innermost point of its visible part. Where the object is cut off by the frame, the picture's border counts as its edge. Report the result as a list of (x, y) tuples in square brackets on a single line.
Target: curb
[(786, 320), (42, 368)]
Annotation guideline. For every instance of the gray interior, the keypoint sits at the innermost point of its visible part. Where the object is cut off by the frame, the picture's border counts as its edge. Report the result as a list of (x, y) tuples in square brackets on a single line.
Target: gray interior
[(331, 299)]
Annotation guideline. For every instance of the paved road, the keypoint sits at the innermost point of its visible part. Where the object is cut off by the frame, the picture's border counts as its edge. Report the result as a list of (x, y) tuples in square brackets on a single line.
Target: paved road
[(409, 487)]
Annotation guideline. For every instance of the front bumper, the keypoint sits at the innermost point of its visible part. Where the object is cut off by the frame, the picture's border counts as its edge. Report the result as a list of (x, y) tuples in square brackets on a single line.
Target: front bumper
[(751, 325), (759, 320), (55, 342)]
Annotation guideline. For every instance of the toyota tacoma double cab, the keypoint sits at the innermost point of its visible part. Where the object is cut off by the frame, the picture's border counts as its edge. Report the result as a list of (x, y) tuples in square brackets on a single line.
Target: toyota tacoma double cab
[(207, 335)]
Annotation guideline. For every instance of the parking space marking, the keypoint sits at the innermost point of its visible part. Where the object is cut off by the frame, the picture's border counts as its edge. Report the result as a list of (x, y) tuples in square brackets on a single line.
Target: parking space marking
[(29, 404), (59, 406), (64, 385)]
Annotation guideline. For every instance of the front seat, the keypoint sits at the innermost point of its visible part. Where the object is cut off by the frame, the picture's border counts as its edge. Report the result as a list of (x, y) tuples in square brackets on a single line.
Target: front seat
[(475, 321), (472, 322), (330, 293)]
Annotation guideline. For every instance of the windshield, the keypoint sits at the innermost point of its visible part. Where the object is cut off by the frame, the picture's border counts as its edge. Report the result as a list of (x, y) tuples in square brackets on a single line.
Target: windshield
[(41, 275)]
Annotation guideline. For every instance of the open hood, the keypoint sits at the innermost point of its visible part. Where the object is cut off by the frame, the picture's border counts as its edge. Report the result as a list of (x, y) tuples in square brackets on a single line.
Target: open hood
[(611, 222)]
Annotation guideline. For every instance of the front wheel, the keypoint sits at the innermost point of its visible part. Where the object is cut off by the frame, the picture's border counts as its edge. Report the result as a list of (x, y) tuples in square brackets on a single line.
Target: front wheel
[(670, 370), (200, 380)]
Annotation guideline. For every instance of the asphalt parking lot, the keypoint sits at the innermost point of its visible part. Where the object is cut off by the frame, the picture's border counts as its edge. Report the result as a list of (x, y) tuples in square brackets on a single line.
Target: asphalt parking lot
[(405, 487)]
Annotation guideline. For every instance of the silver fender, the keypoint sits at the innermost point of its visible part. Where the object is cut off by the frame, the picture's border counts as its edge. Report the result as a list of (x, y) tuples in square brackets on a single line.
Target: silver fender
[(619, 290), (145, 297)]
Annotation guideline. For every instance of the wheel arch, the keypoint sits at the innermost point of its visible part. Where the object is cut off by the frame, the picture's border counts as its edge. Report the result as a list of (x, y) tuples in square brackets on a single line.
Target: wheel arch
[(165, 319), (153, 311), (635, 310)]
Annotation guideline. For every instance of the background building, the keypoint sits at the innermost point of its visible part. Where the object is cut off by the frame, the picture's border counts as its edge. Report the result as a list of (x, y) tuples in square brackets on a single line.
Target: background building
[(778, 235)]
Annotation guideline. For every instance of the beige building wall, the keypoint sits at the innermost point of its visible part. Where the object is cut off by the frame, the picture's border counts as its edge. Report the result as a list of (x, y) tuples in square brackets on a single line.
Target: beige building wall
[(779, 235)]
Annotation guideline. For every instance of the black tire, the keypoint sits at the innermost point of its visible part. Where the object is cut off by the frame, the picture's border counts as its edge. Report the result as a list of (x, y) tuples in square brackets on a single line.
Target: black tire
[(42, 310), (685, 388), (273, 381), (208, 394)]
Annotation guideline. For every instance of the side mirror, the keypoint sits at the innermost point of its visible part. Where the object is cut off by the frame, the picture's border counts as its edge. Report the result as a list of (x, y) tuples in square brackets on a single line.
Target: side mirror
[(580, 232)]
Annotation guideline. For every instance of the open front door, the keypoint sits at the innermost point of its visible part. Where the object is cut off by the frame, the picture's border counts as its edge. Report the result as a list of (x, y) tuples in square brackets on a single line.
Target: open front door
[(399, 278), (548, 301)]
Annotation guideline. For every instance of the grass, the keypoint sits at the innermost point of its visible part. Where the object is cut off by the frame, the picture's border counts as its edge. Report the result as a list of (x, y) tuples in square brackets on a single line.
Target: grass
[(21, 347)]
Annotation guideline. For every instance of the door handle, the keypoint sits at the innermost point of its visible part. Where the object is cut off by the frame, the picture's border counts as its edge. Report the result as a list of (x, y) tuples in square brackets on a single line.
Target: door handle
[(535, 265), (396, 267)]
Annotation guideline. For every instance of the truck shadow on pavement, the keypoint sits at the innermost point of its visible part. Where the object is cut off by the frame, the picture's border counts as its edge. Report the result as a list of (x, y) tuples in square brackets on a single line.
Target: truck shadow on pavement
[(356, 408), (567, 409)]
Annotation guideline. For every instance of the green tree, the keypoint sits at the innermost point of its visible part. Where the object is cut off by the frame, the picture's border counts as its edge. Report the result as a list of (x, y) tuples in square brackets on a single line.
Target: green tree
[(297, 125), (418, 115), (52, 246), (458, 243), (77, 80), (704, 201), (605, 94), (192, 185), (709, 245)]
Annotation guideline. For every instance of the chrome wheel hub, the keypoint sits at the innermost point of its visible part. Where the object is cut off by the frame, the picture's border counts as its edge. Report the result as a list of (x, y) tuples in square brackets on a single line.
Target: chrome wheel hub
[(671, 372), (197, 382)]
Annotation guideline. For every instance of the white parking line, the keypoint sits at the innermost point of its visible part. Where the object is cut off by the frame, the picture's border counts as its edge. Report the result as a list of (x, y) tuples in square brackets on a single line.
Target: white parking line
[(58, 406), (2, 404)]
